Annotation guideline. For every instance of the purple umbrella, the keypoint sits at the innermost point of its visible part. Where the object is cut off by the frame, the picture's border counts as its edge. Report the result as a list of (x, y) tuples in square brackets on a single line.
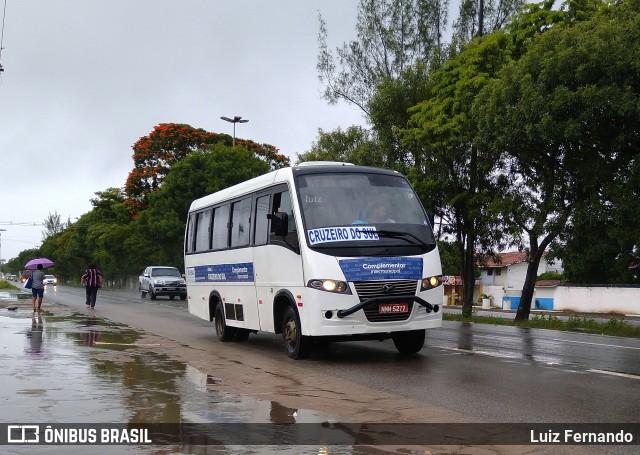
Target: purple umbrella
[(33, 263)]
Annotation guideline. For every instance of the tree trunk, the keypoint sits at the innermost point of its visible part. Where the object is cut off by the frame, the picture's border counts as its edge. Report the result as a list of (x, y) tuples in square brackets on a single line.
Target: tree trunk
[(529, 286), (468, 277), (481, 18)]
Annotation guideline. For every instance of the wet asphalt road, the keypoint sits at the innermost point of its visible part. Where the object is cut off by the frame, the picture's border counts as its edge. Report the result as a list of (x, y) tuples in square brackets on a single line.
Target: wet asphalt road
[(467, 372), (492, 373)]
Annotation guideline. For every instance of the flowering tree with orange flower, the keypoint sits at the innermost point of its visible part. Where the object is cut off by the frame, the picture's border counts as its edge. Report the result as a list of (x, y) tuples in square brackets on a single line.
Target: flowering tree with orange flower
[(156, 153)]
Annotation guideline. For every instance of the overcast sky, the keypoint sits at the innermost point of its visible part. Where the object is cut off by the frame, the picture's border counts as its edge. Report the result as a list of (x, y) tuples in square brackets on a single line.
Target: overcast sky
[(84, 80)]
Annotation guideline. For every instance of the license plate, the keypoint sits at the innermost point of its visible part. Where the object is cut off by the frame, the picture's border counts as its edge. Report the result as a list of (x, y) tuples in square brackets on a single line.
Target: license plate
[(386, 308)]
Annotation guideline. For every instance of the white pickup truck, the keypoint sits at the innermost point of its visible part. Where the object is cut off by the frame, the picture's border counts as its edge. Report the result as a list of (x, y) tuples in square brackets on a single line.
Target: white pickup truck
[(160, 280)]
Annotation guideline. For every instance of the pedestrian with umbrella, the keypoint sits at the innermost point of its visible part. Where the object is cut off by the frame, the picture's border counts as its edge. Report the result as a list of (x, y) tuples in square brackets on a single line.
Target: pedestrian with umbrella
[(37, 277)]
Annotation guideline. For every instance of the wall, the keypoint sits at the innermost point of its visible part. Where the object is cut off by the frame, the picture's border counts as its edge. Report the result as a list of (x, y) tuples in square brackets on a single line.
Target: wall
[(495, 293), (597, 299), (593, 299)]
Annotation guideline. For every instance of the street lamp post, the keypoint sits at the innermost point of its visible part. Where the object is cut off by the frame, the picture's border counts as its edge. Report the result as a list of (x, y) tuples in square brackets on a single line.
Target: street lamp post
[(234, 120)]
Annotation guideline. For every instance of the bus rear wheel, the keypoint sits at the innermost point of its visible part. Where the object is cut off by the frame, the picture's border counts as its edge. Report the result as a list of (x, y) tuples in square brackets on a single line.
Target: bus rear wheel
[(409, 342), (224, 332), (297, 346)]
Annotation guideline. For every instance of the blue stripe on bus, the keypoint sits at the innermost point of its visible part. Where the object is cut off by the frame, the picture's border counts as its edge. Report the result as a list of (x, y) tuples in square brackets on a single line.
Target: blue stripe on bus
[(242, 272), (391, 268)]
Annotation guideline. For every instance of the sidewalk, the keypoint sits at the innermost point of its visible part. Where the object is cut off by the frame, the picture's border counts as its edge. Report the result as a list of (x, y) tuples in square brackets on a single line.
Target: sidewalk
[(631, 319)]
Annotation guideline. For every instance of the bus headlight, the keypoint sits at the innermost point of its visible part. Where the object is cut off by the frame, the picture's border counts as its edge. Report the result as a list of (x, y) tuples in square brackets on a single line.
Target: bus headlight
[(337, 286), (430, 282)]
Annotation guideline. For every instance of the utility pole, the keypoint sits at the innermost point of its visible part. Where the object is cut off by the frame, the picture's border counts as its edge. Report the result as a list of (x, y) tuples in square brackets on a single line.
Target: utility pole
[(1, 261)]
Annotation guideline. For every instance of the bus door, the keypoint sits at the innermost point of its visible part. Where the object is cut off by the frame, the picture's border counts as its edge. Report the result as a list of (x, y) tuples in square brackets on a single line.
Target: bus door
[(277, 261)]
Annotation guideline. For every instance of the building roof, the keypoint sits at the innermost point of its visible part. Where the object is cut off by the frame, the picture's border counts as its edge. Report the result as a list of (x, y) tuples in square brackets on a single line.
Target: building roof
[(505, 259)]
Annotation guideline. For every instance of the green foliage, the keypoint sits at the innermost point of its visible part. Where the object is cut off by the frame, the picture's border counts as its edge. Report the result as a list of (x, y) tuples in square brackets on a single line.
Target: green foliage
[(355, 145), (565, 118), (7, 285), (25, 256), (155, 154), (158, 233), (52, 225), (550, 276), (455, 175), (450, 258), (389, 112)]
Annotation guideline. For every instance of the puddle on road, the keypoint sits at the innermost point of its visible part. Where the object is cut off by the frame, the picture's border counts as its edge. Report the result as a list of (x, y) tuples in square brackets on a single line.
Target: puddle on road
[(77, 368)]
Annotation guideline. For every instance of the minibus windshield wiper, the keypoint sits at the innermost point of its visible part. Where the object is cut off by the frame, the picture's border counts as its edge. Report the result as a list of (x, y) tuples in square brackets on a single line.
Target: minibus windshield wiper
[(410, 238)]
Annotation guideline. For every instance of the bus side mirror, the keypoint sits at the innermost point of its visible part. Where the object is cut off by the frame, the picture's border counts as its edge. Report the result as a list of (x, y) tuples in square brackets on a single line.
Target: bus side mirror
[(279, 223)]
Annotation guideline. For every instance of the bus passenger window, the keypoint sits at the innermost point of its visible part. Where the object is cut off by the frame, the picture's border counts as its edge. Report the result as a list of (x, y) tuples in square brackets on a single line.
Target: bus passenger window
[(241, 215), (203, 226), (220, 237)]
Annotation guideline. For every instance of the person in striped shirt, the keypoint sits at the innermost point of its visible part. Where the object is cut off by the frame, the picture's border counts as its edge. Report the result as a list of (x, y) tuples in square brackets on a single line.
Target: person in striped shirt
[(92, 279)]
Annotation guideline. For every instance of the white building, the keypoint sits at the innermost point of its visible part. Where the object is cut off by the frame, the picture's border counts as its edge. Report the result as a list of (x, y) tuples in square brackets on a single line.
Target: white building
[(502, 278)]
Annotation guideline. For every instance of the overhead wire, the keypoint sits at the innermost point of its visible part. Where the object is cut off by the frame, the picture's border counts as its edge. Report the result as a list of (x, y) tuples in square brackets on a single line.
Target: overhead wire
[(4, 16)]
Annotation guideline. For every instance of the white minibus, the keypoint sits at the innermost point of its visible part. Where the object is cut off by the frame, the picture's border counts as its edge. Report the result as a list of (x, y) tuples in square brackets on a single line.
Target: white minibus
[(322, 251)]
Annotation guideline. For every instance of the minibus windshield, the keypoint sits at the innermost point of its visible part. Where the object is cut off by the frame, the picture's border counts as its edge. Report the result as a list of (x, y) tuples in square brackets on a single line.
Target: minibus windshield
[(359, 204)]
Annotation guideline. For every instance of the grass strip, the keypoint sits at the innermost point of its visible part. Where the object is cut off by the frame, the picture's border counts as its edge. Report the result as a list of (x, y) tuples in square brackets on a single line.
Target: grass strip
[(613, 327)]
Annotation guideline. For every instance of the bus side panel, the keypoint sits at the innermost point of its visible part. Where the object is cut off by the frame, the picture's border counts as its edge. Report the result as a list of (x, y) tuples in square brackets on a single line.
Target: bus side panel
[(276, 268), (232, 276)]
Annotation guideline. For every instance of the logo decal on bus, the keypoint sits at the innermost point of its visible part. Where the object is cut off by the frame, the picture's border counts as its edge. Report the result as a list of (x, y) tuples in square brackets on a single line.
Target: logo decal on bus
[(341, 234), (242, 272), (392, 268)]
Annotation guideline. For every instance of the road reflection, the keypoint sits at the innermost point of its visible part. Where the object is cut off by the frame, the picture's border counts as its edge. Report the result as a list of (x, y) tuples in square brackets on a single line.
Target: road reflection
[(35, 335), (90, 335), (97, 371), (465, 336)]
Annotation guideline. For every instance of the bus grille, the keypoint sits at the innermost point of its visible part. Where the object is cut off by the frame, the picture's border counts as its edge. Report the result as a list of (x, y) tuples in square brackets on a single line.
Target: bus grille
[(370, 289)]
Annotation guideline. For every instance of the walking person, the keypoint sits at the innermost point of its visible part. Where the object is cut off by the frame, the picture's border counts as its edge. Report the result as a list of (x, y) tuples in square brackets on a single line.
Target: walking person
[(92, 279), (37, 287)]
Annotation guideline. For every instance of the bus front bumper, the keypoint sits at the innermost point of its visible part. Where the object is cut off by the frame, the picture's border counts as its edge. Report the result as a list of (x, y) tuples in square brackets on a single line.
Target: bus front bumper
[(344, 313)]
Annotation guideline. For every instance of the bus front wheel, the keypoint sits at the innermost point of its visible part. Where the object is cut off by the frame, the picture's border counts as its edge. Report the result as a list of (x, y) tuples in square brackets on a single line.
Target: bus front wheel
[(224, 332), (297, 345), (409, 342)]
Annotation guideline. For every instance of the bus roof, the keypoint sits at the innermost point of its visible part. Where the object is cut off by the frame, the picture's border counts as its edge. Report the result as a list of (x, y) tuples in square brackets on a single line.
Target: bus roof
[(283, 175)]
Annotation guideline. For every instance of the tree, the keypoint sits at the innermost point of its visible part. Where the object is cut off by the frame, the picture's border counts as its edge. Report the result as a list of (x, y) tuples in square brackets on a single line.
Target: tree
[(455, 173), (53, 225), (566, 120), (158, 233), (450, 257), (479, 17), (155, 154), (17, 264), (97, 236), (355, 145), (392, 37), (389, 113)]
